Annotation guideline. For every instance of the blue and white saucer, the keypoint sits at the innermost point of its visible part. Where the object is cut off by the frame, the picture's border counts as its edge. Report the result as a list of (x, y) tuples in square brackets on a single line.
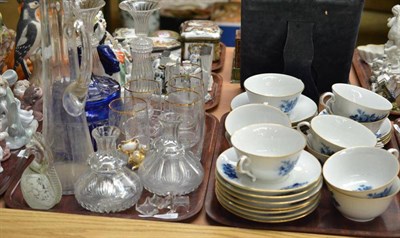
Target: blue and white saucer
[(306, 172), (304, 109)]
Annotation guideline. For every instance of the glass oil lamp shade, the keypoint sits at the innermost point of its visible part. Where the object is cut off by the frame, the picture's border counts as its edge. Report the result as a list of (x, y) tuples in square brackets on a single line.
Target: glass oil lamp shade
[(171, 169), (108, 186)]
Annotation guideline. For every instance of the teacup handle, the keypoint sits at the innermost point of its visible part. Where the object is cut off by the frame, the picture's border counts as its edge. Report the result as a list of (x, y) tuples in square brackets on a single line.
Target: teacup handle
[(244, 162), (325, 98), (394, 152), (301, 124)]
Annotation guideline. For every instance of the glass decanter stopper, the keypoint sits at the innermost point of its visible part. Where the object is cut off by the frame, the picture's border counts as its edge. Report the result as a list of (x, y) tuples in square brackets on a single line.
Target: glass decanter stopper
[(108, 186), (171, 169)]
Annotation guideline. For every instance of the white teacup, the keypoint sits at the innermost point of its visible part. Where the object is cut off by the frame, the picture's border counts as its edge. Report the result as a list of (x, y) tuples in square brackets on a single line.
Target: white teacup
[(267, 151), (365, 172), (329, 134), (355, 102), (278, 90), (252, 114)]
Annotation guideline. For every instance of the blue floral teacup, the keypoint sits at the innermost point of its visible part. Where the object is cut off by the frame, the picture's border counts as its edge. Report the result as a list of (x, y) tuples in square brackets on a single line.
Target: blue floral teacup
[(355, 102), (267, 151), (278, 90), (329, 134)]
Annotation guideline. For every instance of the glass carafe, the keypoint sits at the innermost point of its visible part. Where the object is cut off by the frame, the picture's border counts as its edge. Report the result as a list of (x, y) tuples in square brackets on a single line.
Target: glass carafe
[(64, 83), (109, 186), (171, 169)]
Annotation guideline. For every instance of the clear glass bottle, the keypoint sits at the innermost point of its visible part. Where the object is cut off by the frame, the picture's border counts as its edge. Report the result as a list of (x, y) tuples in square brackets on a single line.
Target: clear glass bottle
[(171, 169), (108, 186)]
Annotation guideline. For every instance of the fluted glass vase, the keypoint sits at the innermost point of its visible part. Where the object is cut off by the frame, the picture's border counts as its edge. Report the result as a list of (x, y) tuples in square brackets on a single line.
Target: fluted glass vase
[(141, 45)]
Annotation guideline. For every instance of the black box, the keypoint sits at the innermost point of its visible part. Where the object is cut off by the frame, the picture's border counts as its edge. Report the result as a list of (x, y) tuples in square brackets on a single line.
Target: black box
[(312, 40)]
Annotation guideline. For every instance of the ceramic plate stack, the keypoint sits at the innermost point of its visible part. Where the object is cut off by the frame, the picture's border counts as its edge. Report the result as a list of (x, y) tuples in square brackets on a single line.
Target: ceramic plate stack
[(291, 199), (384, 134)]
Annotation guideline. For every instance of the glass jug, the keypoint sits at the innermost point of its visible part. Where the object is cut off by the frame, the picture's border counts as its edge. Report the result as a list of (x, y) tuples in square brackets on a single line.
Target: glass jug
[(65, 85)]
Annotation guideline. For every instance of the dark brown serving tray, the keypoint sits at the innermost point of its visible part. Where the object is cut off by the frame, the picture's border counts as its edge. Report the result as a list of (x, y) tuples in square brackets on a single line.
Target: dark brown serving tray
[(324, 220), (217, 65), (363, 72), (215, 92), (14, 199), (11, 168)]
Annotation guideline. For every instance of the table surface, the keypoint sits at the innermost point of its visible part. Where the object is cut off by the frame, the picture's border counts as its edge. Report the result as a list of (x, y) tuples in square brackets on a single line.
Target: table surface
[(20, 223)]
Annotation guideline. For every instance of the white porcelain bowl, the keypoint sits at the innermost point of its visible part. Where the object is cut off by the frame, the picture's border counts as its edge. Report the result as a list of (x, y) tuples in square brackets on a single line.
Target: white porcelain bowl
[(365, 172), (278, 90), (252, 114), (363, 209), (267, 151), (331, 133)]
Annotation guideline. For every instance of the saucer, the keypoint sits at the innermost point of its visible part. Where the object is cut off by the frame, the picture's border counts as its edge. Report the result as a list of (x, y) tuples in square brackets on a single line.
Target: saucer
[(269, 204), (383, 131), (267, 217), (307, 171), (304, 109)]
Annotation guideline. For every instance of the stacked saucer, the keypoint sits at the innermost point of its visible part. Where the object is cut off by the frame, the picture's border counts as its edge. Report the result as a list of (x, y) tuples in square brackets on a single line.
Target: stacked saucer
[(270, 202)]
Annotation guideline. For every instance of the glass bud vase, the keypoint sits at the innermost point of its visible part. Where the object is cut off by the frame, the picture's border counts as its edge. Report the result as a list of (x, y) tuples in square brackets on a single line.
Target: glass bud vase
[(141, 45), (171, 169), (108, 186)]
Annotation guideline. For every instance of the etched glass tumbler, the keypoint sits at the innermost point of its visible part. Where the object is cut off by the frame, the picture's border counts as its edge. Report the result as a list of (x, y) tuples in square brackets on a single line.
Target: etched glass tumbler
[(130, 115), (150, 91), (190, 107)]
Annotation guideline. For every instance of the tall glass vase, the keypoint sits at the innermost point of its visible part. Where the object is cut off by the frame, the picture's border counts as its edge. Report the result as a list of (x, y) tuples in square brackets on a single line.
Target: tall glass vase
[(141, 46), (64, 83)]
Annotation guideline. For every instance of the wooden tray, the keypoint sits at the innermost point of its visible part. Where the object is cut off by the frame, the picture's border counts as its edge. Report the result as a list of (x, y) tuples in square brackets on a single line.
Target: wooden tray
[(215, 92), (324, 220), (12, 166), (14, 199), (363, 72), (217, 65)]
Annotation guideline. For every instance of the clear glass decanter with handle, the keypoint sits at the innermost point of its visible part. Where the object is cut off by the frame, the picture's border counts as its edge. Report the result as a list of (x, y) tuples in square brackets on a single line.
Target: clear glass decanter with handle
[(65, 84)]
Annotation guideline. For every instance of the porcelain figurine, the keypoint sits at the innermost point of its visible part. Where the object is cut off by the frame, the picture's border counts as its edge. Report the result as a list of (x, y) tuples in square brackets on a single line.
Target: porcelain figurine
[(28, 34), (20, 87), (33, 100), (7, 42), (18, 123), (392, 46)]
